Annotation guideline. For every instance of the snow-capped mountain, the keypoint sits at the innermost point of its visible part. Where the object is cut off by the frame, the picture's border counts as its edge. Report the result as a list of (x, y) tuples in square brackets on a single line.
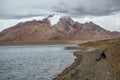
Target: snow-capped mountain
[(55, 27)]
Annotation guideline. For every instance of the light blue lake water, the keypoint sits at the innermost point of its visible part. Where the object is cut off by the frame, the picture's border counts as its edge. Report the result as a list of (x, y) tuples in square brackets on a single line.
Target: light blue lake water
[(33, 62)]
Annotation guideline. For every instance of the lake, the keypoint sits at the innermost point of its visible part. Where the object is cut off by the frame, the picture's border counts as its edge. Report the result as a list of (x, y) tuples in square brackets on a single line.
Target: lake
[(41, 62)]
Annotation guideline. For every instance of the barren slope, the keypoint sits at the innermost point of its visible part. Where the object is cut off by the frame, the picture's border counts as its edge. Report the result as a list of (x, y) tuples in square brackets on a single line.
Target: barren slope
[(86, 67)]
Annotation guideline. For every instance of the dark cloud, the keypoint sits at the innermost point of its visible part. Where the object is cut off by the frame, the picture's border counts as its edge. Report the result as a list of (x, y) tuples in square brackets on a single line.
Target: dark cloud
[(29, 8), (90, 7)]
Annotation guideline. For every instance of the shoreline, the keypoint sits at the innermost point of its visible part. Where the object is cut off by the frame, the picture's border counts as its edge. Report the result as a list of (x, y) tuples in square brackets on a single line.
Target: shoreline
[(85, 66), (74, 70), (46, 42), (22, 43), (33, 43)]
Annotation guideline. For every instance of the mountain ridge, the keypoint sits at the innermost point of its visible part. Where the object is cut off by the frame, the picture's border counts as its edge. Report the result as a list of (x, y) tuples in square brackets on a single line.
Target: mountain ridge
[(64, 29)]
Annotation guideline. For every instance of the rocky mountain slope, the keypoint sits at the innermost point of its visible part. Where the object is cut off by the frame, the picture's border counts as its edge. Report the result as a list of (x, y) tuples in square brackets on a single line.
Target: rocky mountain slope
[(55, 27), (86, 67)]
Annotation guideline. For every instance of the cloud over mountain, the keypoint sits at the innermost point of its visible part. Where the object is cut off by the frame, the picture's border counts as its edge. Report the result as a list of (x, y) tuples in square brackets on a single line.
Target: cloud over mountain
[(10, 9)]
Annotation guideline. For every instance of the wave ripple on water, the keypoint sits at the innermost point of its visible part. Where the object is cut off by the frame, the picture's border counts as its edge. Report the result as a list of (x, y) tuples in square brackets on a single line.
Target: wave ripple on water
[(33, 62)]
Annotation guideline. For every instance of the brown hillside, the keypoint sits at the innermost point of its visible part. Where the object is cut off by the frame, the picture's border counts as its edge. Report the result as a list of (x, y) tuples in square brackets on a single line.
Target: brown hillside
[(65, 29)]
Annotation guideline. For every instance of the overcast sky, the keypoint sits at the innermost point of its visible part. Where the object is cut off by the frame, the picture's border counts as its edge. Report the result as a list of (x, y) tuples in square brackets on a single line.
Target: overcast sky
[(105, 13)]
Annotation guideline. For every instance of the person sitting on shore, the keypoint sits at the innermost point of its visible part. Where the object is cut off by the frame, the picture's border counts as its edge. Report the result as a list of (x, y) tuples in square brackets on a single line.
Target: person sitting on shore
[(101, 56)]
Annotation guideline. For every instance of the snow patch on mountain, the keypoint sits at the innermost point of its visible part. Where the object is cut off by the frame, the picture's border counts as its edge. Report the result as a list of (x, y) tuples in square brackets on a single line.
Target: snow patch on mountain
[(54, 19)]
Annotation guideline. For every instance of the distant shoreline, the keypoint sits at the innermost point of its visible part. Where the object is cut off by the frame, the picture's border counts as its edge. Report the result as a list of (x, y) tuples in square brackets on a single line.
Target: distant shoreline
[(22, 43), (46, 42)]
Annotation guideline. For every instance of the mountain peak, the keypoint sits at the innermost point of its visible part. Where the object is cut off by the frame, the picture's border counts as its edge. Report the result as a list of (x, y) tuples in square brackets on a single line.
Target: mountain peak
[(53, 19), (67, 19)]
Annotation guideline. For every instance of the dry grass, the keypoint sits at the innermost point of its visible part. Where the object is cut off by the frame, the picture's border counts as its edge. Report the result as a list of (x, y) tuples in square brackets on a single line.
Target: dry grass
[(112, 50), (33, 43)]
